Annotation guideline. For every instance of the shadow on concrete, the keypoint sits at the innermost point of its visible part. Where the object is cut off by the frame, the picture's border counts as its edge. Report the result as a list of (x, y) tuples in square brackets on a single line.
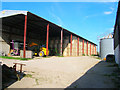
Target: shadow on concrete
[(96, 77), (10, 76)]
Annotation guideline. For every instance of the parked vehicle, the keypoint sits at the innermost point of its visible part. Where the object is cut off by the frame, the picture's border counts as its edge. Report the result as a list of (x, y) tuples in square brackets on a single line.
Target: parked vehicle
[(15, 48), (38, 50)]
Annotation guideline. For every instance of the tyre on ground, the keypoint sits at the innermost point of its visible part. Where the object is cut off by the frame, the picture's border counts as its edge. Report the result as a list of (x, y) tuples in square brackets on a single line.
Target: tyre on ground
[(41, 53)]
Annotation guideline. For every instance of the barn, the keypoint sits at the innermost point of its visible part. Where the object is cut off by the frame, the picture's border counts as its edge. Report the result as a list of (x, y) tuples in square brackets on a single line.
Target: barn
[(117, 36), (26, 27)]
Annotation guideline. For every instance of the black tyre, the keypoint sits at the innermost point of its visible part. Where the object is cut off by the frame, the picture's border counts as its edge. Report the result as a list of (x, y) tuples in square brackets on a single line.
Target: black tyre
[(12, 54), (41, 54)]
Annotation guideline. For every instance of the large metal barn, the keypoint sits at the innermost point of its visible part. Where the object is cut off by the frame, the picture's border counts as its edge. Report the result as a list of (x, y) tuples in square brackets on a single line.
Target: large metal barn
[(26, 27)]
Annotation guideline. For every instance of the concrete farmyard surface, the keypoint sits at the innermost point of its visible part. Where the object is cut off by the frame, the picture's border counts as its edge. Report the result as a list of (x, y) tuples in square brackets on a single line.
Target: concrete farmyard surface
[(63, 72)]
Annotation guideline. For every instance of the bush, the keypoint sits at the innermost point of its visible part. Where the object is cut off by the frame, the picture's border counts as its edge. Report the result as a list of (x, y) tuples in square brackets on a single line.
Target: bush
[(83, 54), (94, 55)]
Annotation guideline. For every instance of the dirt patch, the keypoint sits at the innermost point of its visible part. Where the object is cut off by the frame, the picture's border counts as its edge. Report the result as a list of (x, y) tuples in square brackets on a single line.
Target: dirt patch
[(53, 72)]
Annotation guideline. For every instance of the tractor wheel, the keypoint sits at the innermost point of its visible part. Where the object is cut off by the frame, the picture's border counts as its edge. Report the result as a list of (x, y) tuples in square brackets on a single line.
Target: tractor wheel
[(41, 53), (12, 54)]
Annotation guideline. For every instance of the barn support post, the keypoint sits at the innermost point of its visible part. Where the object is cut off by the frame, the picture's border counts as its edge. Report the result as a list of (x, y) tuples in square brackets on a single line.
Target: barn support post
[(78, 46), (83, 47), (25, 29), (87, 47), (90, 48), (71, 46), (95, 50), (47, 39), (61, 41)]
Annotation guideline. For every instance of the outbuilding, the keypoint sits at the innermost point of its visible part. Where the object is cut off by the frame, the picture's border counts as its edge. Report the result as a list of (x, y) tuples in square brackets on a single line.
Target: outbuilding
[(117, 36), (26, 27)]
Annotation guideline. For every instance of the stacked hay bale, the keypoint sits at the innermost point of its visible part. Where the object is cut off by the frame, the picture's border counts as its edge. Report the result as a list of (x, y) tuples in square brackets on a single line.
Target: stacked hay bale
[(80, 47), (92, 51), (95, 50), (66, 46), (89, 49), (58, 46), (51, 45), (74, 46), (4, 42), (55, 43)]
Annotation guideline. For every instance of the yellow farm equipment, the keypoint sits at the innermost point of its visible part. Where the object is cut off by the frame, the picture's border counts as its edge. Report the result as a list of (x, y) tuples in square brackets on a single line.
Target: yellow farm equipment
[(39, 50)]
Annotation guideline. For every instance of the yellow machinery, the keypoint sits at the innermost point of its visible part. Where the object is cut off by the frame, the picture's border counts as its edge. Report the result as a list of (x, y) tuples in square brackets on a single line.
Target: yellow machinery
[(40, 51)]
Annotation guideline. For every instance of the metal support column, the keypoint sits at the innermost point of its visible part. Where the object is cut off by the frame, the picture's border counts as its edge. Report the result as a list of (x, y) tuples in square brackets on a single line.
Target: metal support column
[(87, 47), (90, 48), (71, 46), (25, 29), (61, 41), (95, 50), (47, 39), (78, 47), (83, 47)]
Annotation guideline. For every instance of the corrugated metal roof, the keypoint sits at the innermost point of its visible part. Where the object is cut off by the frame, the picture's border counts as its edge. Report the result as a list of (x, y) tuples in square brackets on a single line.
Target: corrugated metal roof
[(6, 13)]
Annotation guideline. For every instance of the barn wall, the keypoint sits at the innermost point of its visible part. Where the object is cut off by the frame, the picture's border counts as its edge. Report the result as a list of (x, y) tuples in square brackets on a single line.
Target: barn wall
[(117, 54)]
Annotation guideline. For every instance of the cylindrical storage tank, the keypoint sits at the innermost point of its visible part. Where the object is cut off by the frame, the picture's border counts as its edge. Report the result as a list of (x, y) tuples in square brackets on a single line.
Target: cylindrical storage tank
[(106, 47)]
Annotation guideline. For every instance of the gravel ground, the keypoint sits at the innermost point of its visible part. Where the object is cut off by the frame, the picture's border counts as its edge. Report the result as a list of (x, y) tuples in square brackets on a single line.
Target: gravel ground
[(58, 72)]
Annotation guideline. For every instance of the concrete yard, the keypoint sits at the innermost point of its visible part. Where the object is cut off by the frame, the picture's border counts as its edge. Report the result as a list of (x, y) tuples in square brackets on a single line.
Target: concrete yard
[(63, 72)]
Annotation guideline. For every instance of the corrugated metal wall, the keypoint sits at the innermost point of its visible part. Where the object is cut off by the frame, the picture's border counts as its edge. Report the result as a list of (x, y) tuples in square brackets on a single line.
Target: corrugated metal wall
[(106, 47)]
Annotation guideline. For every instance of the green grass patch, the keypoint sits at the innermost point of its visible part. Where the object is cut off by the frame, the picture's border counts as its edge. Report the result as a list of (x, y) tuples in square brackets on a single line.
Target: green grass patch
[(83, 54), (98, 58), (46, 56), (92, 55), (28, 75), (36, 80), (60, 56), (6, 57), (32, 72)]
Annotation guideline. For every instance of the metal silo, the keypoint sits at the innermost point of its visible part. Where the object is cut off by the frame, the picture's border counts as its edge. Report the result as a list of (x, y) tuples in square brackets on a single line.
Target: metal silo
[(106, 47)]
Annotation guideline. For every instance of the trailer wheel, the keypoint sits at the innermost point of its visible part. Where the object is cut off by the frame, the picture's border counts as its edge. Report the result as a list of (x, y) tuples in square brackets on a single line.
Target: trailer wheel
[(41, 53), (12, 53)]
